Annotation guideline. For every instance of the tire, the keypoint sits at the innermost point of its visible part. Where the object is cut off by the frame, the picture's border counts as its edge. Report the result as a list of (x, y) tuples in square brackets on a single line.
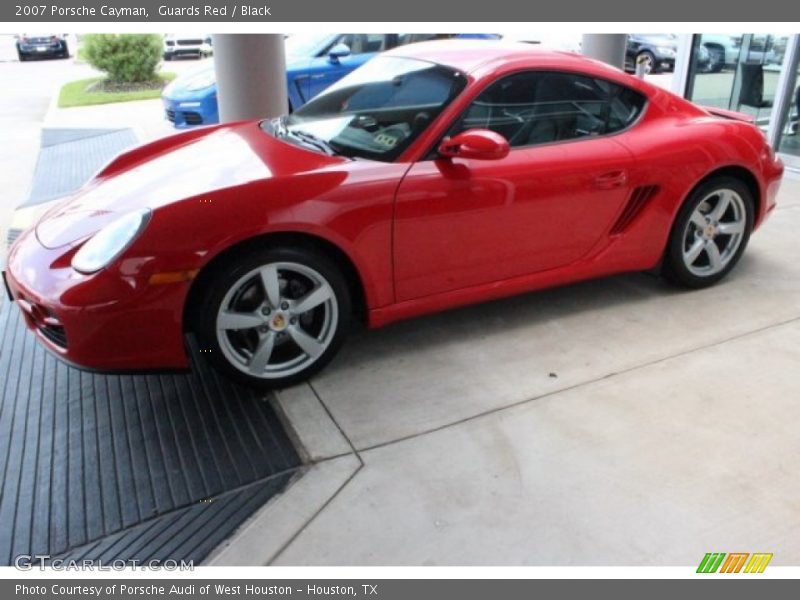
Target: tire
[(167, 57), (691, 259), (717, 56), (65, 52), (22, 57), (651, 58), (288, 346)]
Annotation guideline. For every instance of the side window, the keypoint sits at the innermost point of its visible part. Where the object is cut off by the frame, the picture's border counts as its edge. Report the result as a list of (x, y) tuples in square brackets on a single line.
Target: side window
[(364, 43), (539, 107), (412, 38)]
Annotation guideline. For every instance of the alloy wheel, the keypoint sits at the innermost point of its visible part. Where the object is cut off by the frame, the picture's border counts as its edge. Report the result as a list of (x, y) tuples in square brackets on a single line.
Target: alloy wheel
[(277, 320), (714, 232)]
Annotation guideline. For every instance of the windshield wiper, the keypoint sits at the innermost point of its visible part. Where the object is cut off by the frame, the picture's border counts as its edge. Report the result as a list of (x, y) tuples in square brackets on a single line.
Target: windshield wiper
[(281, 130), (311, 140)]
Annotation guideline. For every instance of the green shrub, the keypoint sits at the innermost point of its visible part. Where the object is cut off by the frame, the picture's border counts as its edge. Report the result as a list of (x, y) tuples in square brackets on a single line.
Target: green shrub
[(126, 57)]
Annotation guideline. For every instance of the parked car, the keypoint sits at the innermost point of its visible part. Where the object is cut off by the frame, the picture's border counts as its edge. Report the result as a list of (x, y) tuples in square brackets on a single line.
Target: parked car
[(656, 50), (42, 46), (313, 62), (196, 45), (703, 60), (436, 175), (725, 50)]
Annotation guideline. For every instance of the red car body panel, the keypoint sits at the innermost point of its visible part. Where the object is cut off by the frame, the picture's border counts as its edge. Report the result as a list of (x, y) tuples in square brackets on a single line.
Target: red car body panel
[(422, 234)]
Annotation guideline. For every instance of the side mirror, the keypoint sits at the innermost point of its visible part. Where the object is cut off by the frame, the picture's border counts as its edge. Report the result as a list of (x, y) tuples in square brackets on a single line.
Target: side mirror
[(480, 144), (337, 52)]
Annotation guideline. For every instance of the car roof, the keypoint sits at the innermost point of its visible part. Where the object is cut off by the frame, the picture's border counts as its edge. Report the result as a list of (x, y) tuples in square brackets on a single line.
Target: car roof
[(469, 55)]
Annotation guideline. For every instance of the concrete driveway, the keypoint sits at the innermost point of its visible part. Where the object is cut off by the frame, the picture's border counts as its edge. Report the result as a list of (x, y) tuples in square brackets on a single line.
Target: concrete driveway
[(615, 422)]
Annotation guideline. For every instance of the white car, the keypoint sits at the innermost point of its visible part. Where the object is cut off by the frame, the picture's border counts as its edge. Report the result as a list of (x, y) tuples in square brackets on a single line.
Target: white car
[(724, 50), (183, 44)]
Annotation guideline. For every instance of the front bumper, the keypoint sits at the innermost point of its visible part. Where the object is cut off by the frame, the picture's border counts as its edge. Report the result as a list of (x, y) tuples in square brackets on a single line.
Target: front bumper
[(171, 52), (107, 321), (189, 112), (666, 63)]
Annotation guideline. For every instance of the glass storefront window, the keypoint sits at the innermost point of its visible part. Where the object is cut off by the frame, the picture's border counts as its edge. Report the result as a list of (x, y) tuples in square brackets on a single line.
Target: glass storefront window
[(789, 140), (737, 71)]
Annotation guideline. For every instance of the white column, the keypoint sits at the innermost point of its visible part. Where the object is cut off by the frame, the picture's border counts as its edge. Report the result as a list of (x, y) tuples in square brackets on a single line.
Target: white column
[(785, 92), (251, 76), (608, 47), (683, 60)]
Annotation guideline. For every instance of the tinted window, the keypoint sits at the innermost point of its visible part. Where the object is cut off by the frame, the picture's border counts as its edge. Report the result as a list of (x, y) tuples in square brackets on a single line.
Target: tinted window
[(364, 43), (540, 107)]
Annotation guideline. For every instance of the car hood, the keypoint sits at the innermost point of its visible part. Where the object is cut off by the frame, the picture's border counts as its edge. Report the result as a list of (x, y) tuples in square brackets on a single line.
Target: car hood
[(194, 164), (178, 87)]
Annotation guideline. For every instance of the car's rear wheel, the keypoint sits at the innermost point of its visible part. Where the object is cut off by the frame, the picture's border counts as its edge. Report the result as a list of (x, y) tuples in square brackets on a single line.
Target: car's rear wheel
[(710, 233), (275, 317), (716, 55)]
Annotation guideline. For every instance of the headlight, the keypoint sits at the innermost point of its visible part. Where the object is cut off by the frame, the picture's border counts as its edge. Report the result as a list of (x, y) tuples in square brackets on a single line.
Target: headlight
[(666, 51), (111, 241), (201, 81)]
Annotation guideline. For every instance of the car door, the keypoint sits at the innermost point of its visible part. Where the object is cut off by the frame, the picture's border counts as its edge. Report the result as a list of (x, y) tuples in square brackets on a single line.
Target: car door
[(465, 222), (325, 70)]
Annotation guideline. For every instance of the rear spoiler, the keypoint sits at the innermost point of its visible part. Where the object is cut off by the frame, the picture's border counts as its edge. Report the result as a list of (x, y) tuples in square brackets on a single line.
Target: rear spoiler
[(729, 114)]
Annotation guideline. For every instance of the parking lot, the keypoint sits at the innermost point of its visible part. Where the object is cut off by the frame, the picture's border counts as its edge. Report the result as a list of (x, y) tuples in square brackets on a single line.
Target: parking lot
[(612, 422)]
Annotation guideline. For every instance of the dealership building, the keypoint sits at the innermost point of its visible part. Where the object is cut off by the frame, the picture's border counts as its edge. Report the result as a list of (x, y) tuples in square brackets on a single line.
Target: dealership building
[(756, 74)]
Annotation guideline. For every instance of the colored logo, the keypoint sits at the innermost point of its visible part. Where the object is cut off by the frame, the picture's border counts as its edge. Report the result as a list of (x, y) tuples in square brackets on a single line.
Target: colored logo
[(735, 562)]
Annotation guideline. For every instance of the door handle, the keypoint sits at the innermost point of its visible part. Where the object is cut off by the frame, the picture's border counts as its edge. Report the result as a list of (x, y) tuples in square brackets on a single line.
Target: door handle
[(611, 180)]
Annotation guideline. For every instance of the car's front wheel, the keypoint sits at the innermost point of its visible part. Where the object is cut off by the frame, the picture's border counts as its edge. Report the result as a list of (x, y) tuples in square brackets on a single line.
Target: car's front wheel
[(274, 317), (648, 59), (710, 233)]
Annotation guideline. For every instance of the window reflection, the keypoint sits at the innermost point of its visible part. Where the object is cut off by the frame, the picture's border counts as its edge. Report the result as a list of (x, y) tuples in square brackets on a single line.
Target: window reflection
[(741, 72), (790, 133)]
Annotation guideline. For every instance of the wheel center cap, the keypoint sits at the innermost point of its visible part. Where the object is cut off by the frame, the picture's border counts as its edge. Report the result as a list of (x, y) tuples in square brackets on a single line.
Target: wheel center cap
[(710, 232), (278, 322)]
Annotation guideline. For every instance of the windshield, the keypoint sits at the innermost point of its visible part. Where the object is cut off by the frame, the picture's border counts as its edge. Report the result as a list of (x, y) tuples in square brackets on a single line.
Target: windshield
[(375, 112), (307, 44)]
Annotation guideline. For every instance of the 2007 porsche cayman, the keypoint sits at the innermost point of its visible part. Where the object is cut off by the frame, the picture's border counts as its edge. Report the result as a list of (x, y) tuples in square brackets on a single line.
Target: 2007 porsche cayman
[(437, 175)]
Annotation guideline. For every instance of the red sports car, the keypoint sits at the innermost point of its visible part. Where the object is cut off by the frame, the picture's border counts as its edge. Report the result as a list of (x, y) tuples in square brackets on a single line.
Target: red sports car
[(437, 175)]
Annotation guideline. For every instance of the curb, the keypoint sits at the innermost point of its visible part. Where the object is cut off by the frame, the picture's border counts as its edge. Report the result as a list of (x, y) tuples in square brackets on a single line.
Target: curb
[(331, 463)]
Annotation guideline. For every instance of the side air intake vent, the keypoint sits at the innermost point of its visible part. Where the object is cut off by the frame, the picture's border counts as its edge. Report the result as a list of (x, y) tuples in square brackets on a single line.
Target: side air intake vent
[(638, 200)]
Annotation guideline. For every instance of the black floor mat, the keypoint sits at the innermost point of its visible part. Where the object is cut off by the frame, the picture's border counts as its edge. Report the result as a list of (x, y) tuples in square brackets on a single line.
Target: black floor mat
[(107, 465), (69, 157)]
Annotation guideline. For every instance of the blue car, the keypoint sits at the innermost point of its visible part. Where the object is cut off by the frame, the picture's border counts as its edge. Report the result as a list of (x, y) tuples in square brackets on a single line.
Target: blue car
[(313, 62)]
